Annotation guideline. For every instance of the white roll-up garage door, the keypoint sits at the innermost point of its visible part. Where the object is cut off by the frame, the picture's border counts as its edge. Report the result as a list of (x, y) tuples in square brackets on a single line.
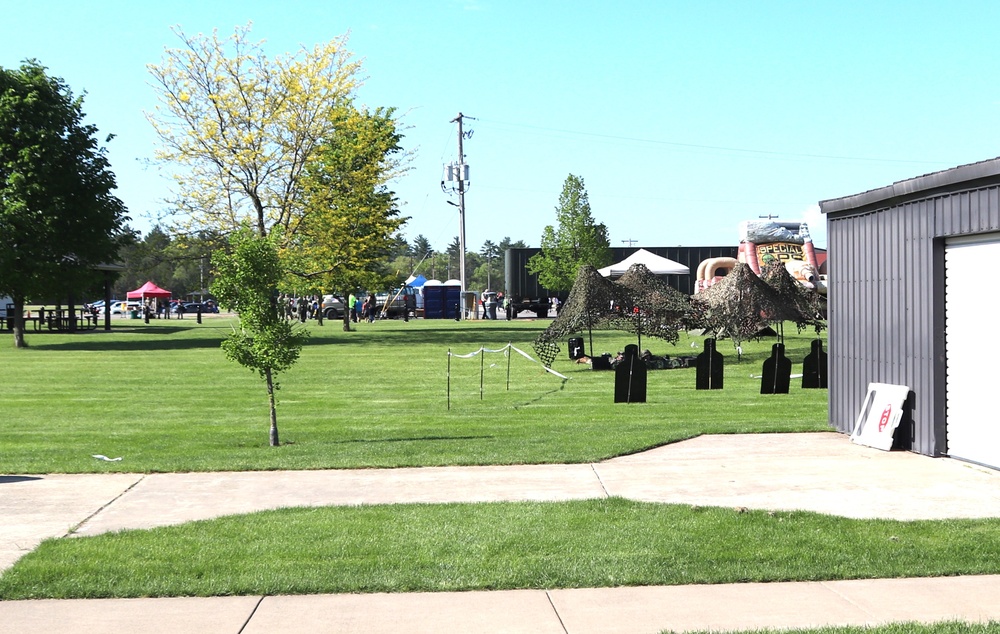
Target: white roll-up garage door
[(972, 348)]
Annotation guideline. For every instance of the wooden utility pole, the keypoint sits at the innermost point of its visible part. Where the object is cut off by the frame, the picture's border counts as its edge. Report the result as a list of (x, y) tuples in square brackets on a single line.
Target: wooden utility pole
[(460, 176)]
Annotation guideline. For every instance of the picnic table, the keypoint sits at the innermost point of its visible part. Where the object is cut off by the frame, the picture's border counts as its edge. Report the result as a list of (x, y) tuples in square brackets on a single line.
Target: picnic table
[(54, 319), (63, 319)]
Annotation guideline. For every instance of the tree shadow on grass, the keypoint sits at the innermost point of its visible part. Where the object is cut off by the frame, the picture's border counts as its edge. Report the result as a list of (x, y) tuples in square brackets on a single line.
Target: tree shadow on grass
[(146, 339), (12, 479), (413, 439), (157, 337), (368, 334)]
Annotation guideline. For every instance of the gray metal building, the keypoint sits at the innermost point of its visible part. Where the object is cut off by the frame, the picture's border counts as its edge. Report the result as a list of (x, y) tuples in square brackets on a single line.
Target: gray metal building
[(913, 301)]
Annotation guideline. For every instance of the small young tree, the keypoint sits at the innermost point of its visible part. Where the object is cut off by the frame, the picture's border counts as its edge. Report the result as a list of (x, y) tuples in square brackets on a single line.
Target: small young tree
[(246, 277)]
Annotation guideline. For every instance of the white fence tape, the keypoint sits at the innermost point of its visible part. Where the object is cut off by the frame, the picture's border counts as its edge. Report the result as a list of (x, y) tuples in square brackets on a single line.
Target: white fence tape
[(504, 350)]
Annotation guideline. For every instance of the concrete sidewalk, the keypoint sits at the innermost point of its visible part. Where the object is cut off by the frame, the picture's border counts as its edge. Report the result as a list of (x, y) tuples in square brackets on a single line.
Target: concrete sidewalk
[(581, 611), (821, 472)]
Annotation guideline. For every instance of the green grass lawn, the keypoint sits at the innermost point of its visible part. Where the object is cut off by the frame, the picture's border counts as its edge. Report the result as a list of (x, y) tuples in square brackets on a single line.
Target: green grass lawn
[(453, 547), (164, 397)]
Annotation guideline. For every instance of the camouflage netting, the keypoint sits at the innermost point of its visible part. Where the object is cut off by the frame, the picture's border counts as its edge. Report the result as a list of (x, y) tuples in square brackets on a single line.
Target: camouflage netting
[(662, 309), (595, 302), (807, 306), (588, 306), (740, 306)]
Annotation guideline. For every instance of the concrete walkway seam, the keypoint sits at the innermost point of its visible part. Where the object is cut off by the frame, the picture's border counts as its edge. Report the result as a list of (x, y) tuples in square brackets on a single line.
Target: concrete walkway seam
[(75, 528), (555, 610)]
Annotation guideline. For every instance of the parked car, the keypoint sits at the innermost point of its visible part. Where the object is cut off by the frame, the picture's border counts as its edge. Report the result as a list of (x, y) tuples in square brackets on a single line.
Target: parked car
[(333, 307), (120, 307), (191, 308)]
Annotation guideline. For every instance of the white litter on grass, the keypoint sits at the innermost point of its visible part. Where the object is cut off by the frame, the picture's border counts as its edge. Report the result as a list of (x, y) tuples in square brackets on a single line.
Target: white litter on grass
[(105, 458)]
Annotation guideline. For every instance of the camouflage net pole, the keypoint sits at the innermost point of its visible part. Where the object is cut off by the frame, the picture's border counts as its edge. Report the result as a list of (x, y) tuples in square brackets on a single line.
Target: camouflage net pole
[(656, 308), (589, 305)]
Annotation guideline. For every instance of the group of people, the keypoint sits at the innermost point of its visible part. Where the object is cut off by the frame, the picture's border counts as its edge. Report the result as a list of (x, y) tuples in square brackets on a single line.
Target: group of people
[(362, 309), (492, 301), (302, 308)]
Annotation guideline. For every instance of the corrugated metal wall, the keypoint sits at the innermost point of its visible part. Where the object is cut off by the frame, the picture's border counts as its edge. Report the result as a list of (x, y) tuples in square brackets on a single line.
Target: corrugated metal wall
[(886, 292)]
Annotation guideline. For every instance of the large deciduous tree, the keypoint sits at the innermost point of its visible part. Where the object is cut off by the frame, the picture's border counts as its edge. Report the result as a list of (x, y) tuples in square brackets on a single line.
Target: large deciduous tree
[(58, 216), (575, 241), (242, 127), (246, 278), (352, 218)]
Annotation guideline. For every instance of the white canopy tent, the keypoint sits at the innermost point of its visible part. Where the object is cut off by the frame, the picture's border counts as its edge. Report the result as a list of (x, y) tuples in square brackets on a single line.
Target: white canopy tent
[(657, 265)]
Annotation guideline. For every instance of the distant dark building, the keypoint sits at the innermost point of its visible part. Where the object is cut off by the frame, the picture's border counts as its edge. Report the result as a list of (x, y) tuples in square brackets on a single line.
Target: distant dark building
[(912, 298), (521, 282)]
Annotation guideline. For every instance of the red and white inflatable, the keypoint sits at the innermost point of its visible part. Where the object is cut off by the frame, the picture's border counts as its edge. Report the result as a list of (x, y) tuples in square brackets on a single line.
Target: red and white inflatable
[(762, 241)]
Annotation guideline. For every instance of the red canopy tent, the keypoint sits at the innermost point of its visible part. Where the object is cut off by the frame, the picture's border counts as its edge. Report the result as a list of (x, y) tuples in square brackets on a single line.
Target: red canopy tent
[(148, 290)]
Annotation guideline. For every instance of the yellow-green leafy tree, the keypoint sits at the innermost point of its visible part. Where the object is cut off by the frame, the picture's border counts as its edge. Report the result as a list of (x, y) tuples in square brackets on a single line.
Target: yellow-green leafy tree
[(576, 240), (352, 217), (239, 128)]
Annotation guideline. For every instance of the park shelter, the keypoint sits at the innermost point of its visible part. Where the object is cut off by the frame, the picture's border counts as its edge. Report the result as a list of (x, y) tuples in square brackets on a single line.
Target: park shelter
[(910, 273), (656, 264)]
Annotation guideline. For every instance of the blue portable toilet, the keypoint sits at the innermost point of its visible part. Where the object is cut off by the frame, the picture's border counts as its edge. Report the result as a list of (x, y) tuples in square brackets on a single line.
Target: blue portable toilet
[(441, 299)]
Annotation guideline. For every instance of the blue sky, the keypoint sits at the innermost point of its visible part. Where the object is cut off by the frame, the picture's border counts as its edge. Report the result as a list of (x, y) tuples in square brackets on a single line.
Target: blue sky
[(683, 118)]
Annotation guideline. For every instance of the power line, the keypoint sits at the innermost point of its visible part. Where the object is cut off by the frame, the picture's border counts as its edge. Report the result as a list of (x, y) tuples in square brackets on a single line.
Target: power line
[(717, 148)]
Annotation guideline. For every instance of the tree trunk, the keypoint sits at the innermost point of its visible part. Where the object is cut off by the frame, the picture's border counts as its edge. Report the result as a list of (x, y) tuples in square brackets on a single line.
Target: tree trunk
[(19, 341), (347, 314), (274, 411)]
